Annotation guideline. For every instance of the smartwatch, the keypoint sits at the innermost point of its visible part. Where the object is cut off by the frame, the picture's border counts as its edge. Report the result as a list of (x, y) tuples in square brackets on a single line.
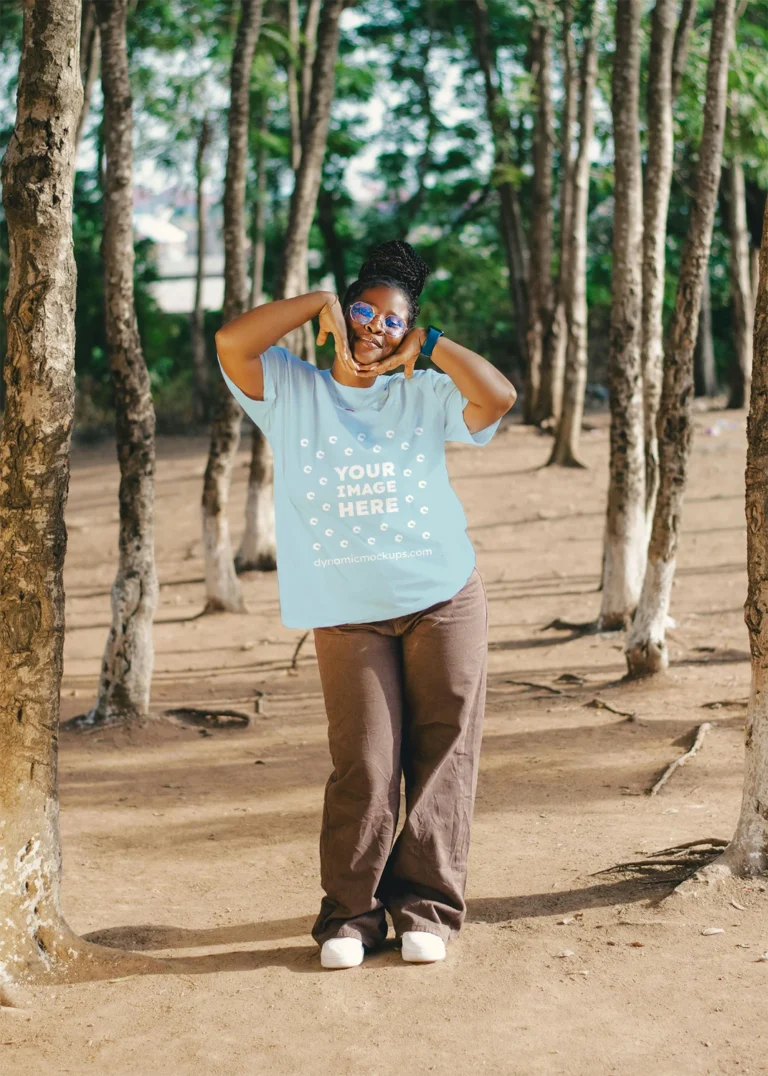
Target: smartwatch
[(433, 335)]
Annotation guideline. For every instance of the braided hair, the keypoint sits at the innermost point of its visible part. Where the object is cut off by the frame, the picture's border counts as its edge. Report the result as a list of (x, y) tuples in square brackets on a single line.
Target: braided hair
[(394, 264)]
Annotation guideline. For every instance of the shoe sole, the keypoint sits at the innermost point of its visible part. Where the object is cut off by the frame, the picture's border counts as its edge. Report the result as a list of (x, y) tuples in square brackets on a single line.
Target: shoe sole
[(336, 967)]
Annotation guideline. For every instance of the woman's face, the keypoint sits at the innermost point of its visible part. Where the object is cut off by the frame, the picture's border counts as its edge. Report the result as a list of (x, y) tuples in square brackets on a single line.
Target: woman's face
[(370, 343)]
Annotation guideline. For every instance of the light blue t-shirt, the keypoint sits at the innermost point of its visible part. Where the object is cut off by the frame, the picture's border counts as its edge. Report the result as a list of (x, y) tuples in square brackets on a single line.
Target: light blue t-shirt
[(367, 524)]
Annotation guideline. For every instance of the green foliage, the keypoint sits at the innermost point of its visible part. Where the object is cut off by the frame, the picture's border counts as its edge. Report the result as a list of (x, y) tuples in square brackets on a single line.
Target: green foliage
[(410, 102)]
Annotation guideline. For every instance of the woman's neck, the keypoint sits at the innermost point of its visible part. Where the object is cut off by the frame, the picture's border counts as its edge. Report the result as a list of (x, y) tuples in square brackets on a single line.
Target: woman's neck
[(356, 381)]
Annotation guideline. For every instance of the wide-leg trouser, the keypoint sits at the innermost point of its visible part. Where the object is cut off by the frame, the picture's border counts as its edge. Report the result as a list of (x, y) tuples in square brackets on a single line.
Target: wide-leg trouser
[(404, 695)]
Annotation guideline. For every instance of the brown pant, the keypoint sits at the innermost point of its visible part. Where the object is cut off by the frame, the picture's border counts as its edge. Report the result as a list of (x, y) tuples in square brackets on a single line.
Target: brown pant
[(404, 695)]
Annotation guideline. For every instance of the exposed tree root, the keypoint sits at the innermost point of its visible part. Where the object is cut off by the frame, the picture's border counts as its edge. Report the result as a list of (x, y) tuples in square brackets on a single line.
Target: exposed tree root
[(209, 719), (293, 668), (87, 723), (588, 627), (12, 997), (701, 732), (658, 867), (539, 687), (71, 959), (718, 704), (600, 704)]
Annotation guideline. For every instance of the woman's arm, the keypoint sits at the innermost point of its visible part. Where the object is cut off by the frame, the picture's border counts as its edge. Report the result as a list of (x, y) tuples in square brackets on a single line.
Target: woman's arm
[(488, 391), (241, 341)]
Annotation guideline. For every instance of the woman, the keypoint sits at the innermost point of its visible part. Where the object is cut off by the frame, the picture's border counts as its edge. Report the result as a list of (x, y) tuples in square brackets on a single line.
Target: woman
[(373, 555)]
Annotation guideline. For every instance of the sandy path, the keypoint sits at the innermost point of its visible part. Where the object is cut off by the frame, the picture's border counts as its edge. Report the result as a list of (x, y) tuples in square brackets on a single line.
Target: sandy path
[(204, 848)]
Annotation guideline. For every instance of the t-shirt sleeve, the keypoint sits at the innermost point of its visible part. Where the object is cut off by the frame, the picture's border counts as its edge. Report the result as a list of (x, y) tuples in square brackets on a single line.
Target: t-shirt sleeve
[(279, 374), (452, 402)]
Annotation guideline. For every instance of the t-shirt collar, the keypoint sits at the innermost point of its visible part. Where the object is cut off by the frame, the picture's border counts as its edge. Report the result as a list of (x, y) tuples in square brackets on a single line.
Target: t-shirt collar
[(358, 397)]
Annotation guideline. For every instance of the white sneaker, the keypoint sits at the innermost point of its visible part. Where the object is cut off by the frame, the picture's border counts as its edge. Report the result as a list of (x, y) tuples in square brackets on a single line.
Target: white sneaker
[(341, 953), (421, 947)]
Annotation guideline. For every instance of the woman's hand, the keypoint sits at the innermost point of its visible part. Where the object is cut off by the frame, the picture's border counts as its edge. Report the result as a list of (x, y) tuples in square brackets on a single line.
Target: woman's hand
[(332, 321), (406, 354)]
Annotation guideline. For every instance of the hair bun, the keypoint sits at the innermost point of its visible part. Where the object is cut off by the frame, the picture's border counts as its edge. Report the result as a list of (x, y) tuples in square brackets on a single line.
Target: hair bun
[(396, 259)]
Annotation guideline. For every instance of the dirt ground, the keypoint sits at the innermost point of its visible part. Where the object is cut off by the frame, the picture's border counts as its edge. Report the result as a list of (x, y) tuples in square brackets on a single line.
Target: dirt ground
[(202, 848)]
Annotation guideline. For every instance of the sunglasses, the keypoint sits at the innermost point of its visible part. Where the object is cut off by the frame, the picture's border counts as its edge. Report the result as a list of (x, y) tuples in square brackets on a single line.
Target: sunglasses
[(362, 313)]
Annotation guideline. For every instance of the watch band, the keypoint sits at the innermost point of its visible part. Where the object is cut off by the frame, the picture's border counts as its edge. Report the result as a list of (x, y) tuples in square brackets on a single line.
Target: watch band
[(433, 335)]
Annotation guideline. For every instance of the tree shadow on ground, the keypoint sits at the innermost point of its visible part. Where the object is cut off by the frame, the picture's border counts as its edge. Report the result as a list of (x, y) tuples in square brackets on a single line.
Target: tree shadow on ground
[(538, 905)]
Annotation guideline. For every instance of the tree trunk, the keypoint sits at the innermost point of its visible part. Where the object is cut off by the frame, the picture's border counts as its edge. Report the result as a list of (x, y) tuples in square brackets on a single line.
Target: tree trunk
[(307, 52), (302, 341), (747, 853), (126, 668), (625, 530), (90, 53), (538, 394), (199, 357), (556, 342), (742, 318), (292, 278), (682, 41), (222, 587), (658, 180), (646, 645), (257, 547), (566, 450), (326, 218), (39, 307), (34, 479), (511, 222), (293, 89), (258, 235), (705, 382)]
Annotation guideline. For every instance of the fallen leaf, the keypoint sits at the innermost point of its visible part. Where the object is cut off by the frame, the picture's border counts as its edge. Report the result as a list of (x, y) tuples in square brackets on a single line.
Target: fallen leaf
[(712, 930), (566, 953), (736, 904)]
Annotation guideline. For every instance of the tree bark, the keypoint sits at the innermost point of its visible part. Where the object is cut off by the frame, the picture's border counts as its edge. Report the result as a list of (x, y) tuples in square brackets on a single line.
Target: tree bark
[(222, 587), (199, 357), (257, 547), (307, 52), (656, 190), (326, 218), (37, 183), (293, 89), (36, 431), (566, 449), (126, 668), (538, 394), (90, 54), (705, 382), (557, 340), (682, 42), (742, 311), (258, 234), (747, 853), (302, 341), (292, 275), (625, 530), (646, 646), (511, 222)]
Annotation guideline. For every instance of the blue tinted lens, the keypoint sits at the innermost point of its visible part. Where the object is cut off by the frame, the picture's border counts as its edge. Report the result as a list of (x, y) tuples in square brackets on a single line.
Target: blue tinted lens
[(394, 325), (361, 312)]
